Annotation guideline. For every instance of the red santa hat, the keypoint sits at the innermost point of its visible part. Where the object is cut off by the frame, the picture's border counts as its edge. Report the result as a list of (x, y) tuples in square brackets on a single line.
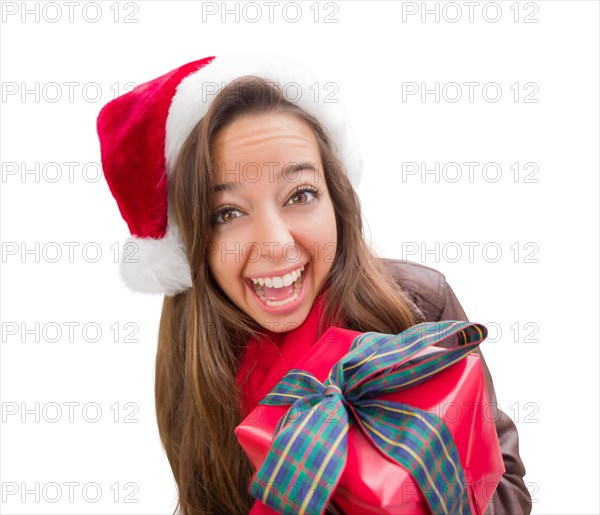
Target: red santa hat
[(141, 134)]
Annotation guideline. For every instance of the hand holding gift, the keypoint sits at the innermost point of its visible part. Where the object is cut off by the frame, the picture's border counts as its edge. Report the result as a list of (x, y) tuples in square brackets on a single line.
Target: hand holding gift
[(357, 425)]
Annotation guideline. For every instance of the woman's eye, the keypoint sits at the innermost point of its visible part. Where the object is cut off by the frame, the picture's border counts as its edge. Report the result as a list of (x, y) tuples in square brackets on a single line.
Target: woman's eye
[(220, 216), (305, 193)]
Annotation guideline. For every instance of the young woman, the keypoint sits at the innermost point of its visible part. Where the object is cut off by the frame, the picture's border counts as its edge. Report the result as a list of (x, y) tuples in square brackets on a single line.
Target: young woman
[(243, 212)]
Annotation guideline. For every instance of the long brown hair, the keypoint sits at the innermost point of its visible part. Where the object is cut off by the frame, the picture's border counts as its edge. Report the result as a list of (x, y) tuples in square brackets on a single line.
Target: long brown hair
[(202, 333)]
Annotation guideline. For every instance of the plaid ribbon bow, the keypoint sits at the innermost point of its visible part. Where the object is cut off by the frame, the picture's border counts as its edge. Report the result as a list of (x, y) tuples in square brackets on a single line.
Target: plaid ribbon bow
[(310, 454)]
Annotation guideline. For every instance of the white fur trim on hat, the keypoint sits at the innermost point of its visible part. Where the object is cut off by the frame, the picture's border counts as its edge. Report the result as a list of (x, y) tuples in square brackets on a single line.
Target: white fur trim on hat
[(156, 265)]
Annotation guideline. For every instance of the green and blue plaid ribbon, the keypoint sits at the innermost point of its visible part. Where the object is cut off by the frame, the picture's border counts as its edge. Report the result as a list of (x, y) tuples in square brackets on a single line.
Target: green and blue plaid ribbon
[(308, 454)]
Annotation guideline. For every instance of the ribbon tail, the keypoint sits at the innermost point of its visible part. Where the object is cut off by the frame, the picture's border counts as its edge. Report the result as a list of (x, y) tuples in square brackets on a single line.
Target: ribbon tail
[(306, 460), (421, 443)]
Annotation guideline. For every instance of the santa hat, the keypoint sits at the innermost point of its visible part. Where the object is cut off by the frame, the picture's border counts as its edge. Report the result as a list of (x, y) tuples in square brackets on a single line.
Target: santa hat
[(141, 134)]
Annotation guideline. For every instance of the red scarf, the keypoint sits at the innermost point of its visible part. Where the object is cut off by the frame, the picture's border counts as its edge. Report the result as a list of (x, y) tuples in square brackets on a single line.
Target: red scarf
[(267, 359)]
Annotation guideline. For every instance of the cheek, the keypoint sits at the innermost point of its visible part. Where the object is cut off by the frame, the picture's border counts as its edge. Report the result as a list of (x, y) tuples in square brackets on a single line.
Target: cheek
[(324, 234)]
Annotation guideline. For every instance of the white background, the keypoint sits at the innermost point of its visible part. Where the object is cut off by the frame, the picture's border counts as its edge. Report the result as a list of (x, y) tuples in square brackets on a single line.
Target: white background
[(547, 381)]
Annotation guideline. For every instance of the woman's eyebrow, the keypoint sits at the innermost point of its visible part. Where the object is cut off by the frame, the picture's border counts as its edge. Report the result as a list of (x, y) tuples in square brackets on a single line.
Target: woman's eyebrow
[(292, 168)]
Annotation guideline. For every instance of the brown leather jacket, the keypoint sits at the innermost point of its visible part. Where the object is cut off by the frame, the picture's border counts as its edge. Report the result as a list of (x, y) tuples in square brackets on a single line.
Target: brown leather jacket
[(433, 300)]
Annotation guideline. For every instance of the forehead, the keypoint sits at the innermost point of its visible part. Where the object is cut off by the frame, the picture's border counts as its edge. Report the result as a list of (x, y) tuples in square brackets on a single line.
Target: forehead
[(272, 133)]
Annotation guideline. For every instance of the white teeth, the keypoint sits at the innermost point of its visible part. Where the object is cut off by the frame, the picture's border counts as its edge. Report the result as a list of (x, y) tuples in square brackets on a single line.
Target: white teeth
[(292, 298), (279, 282)]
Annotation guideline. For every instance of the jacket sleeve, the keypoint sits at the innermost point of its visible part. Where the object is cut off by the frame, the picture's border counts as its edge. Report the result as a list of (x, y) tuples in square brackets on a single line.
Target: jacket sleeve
[(511, 496)]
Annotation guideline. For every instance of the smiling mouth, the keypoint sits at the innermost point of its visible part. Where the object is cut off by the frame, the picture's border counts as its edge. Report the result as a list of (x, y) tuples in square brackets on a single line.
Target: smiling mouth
[(275, 297)]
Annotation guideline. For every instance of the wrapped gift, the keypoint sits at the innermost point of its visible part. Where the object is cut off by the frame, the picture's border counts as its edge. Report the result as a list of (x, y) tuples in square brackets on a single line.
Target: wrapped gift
[(378, 423)]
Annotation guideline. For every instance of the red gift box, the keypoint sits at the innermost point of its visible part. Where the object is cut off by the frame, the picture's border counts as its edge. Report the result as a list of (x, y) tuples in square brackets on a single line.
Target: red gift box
[(372, 483)]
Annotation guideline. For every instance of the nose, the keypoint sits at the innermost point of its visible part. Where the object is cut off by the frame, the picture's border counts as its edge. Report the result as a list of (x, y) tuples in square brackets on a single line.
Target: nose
[(274, 237)]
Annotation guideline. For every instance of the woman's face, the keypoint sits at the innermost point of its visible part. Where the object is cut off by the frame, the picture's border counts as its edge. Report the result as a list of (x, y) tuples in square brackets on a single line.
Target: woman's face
[(272, 216)]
